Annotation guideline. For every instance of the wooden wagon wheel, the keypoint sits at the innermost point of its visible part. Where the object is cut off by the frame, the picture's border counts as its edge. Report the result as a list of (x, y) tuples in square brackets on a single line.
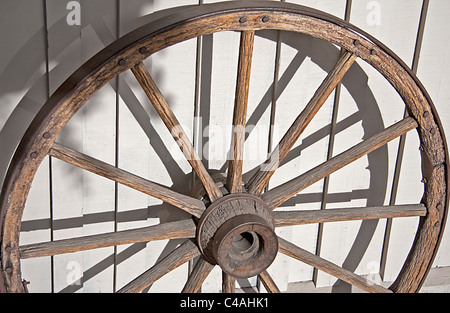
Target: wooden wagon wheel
[(233, 227)]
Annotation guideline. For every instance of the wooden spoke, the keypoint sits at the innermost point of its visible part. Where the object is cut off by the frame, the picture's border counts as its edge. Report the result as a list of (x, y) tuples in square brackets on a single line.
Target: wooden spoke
[(172, 230), (234, 178), (186, 203), (201, 271), (268, 282), (184, 253), (239, 225), (171, 122), (261, 178), (228, 283), (304, 256), (292, 218), (280, 194)]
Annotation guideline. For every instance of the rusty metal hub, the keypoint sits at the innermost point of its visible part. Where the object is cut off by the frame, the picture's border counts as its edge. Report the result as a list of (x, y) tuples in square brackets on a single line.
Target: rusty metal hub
[(237, 233)]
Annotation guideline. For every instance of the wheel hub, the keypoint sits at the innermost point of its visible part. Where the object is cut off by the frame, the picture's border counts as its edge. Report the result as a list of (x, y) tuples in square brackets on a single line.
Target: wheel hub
[(237, 233)]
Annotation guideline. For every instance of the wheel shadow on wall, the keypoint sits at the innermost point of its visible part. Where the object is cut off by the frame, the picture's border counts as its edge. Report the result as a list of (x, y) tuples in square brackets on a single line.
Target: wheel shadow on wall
[(322, 53)]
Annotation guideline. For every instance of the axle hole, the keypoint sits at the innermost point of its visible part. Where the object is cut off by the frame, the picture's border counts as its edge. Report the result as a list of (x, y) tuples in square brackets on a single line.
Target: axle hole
[(244, 246), (243, 241)]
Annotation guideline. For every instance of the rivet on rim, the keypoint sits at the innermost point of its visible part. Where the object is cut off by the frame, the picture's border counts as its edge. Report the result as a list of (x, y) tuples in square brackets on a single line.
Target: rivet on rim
[(143, 50)]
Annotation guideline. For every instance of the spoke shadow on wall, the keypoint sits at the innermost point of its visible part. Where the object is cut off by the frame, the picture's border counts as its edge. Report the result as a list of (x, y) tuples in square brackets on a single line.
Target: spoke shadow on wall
[(321, 53)]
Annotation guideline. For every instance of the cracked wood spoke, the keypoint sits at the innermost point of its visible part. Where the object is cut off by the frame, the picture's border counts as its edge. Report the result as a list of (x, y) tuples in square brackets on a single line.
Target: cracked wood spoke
[(261, 178), (186, 203), (304, 256), (234, 178), (184, 253), (268, 282), (165, 112), (282, 193), (172, 230), (197, 277), (292, 218)]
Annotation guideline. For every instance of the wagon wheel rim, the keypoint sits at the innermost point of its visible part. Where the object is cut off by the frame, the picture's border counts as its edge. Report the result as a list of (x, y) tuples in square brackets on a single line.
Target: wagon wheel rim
[(248, 17)]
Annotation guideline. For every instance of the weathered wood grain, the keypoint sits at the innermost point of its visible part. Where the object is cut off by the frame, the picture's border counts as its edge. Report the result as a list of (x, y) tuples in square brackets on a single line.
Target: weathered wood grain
[(291, 218), (302, 255), (228, 208), (184, 253), (261, 178), (228, 283), (276, 196), (417, 264), (268, 282), (186, 203), (197, 277), (172, 230), (234, 178), (171, 122), (190, 23)]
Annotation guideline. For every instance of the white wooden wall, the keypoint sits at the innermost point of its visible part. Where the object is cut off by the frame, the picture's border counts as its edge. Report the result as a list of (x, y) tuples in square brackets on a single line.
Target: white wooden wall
[(39, 50)]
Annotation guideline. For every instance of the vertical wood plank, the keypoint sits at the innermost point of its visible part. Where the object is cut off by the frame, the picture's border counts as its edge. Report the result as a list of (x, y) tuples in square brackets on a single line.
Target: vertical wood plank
[(134, 134), (172, 67), (330, 151), (65, 56), (381, 163), (259, 106), (218, 85), (297, 69), (99, 133), (76, 205), (23, 90), (23, 87), (401, 150), (148, 149)]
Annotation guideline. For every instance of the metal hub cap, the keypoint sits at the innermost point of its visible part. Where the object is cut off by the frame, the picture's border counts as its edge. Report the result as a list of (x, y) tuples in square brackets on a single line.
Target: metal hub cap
[(237, 233)]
